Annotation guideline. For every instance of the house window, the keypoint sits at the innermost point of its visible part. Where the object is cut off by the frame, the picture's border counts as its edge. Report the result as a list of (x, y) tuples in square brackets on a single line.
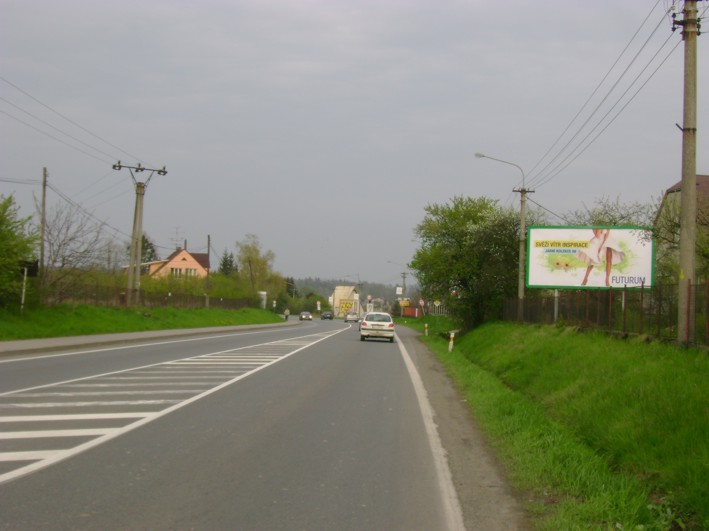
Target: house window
[(190, 272), (176, 271)]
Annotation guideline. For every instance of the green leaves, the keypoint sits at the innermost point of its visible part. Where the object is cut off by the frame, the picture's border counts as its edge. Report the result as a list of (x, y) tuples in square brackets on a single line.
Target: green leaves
[(18, 241), (468, 256)]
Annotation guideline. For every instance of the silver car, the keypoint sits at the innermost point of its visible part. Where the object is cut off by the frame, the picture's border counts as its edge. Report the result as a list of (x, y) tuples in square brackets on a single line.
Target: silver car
[(351, 316), (377, 324)]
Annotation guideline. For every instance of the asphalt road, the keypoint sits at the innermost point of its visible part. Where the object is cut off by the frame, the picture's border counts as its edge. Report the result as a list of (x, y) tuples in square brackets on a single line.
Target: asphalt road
[(298, 427)]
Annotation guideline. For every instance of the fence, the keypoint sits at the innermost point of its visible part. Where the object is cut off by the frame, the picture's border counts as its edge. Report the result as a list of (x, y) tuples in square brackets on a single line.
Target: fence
[(101, 295), (644, 311)]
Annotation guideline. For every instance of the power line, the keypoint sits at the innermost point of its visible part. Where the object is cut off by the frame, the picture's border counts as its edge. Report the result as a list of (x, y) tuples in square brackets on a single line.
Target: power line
[(23, 181), (79, 207), (562, 218), (55, 128), (559, 168), (593, 93), (69, 120), (104, 161), (540, 177)]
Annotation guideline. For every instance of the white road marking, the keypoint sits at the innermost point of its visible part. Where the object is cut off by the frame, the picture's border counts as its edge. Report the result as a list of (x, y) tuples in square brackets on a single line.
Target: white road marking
[(449, 496), (251, 359)]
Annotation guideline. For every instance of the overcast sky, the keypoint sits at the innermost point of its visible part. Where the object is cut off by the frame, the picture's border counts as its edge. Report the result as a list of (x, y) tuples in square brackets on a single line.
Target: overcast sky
[(325, 127)]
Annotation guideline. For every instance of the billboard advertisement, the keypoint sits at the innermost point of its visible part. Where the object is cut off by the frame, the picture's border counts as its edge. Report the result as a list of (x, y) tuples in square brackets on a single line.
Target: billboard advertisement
[(589, 257)]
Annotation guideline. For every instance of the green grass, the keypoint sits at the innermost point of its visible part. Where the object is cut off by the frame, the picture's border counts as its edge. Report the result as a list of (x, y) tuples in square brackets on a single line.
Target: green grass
[(62, 321), (605, 433)]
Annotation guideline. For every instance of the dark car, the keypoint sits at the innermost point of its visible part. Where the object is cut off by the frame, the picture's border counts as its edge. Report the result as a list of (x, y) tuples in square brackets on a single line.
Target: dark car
[(327, 315), (306, 316)]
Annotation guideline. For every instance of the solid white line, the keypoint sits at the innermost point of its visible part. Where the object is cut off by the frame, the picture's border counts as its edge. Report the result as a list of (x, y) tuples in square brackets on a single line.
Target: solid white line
[(43, 434), (449, 496), (39, 456), (88, 404), (75, 416), (111, 393)]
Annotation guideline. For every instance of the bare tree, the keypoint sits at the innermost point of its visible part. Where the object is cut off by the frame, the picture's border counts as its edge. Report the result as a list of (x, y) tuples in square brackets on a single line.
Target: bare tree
[(74, 242)]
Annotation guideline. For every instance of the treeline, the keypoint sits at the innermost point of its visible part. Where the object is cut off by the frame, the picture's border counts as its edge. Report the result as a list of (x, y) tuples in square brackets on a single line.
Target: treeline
[(468, 252)]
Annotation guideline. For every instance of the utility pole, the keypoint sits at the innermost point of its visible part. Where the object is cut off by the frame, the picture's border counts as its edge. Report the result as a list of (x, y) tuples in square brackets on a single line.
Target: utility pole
[(207, 286), (42, 229), (688, 201), (403, 284), (522, 234), (136, 243)]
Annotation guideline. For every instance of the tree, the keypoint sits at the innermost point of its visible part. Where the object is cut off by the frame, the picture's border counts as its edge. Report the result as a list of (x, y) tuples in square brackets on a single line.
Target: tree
[(227, 264), (291, 288), (148, 250), (73, 242), (612, 212), (18, 243), (468, 256), (256, 265)]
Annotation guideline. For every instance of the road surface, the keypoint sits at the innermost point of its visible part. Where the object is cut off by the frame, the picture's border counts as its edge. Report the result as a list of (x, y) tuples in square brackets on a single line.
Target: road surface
[(297, 427)]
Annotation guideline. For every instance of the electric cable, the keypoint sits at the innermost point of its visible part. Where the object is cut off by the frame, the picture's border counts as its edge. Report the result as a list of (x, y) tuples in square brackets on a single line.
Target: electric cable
[(538, 179), (69, 120), (595, 90)]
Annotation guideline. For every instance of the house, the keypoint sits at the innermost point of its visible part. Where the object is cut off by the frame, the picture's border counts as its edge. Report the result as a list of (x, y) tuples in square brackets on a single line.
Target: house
[(667, 223), (180, 263), (674, 193)]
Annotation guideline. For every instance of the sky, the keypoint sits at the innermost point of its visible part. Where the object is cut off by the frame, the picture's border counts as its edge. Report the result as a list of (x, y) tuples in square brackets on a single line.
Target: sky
[(325, 127)]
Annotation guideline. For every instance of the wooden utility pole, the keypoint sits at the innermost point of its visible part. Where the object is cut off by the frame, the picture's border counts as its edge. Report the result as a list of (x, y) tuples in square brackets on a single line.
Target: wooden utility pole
[(688, 201)]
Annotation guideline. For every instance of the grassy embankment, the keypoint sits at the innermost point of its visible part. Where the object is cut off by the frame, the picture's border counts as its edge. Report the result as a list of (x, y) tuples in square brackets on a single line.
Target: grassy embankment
[(602, 433), (65, 321)]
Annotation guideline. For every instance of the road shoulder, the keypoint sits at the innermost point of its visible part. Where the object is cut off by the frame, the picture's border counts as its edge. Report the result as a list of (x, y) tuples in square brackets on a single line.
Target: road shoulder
[(487, 500)]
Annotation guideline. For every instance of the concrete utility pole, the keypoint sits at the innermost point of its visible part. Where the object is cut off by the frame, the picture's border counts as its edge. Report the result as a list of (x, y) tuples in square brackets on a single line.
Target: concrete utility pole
[(207, 285), (42, 230), (688, 202), (136, 242), (522, 234)]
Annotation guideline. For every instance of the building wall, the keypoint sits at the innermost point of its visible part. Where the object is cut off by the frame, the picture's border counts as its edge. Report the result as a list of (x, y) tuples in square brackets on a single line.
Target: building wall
[(183, 265)]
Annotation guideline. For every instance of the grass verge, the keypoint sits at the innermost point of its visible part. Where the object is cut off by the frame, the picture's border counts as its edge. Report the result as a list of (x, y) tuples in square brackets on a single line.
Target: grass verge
[(63, 321), (604, 433)]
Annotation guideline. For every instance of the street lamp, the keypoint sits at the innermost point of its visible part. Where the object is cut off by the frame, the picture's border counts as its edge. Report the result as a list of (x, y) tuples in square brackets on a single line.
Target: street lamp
[(522, 234)]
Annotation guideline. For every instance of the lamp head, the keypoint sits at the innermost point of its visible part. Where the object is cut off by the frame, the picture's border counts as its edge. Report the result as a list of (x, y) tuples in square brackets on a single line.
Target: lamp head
[(480, 155)]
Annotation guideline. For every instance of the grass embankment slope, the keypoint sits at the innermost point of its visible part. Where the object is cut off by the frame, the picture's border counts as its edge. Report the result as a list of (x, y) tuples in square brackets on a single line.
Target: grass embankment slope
[(603, 433), (63, 321)]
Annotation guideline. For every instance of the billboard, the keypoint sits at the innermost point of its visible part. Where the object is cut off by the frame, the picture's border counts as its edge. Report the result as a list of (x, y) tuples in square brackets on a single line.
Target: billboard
[(589, 257)]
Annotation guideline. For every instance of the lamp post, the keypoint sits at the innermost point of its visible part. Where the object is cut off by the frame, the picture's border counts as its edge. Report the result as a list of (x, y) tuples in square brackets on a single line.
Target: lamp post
[(522, 233)]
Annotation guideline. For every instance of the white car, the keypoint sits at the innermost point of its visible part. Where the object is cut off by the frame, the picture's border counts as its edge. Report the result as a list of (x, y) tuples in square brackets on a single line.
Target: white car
[(377, 324), (351, 316)]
